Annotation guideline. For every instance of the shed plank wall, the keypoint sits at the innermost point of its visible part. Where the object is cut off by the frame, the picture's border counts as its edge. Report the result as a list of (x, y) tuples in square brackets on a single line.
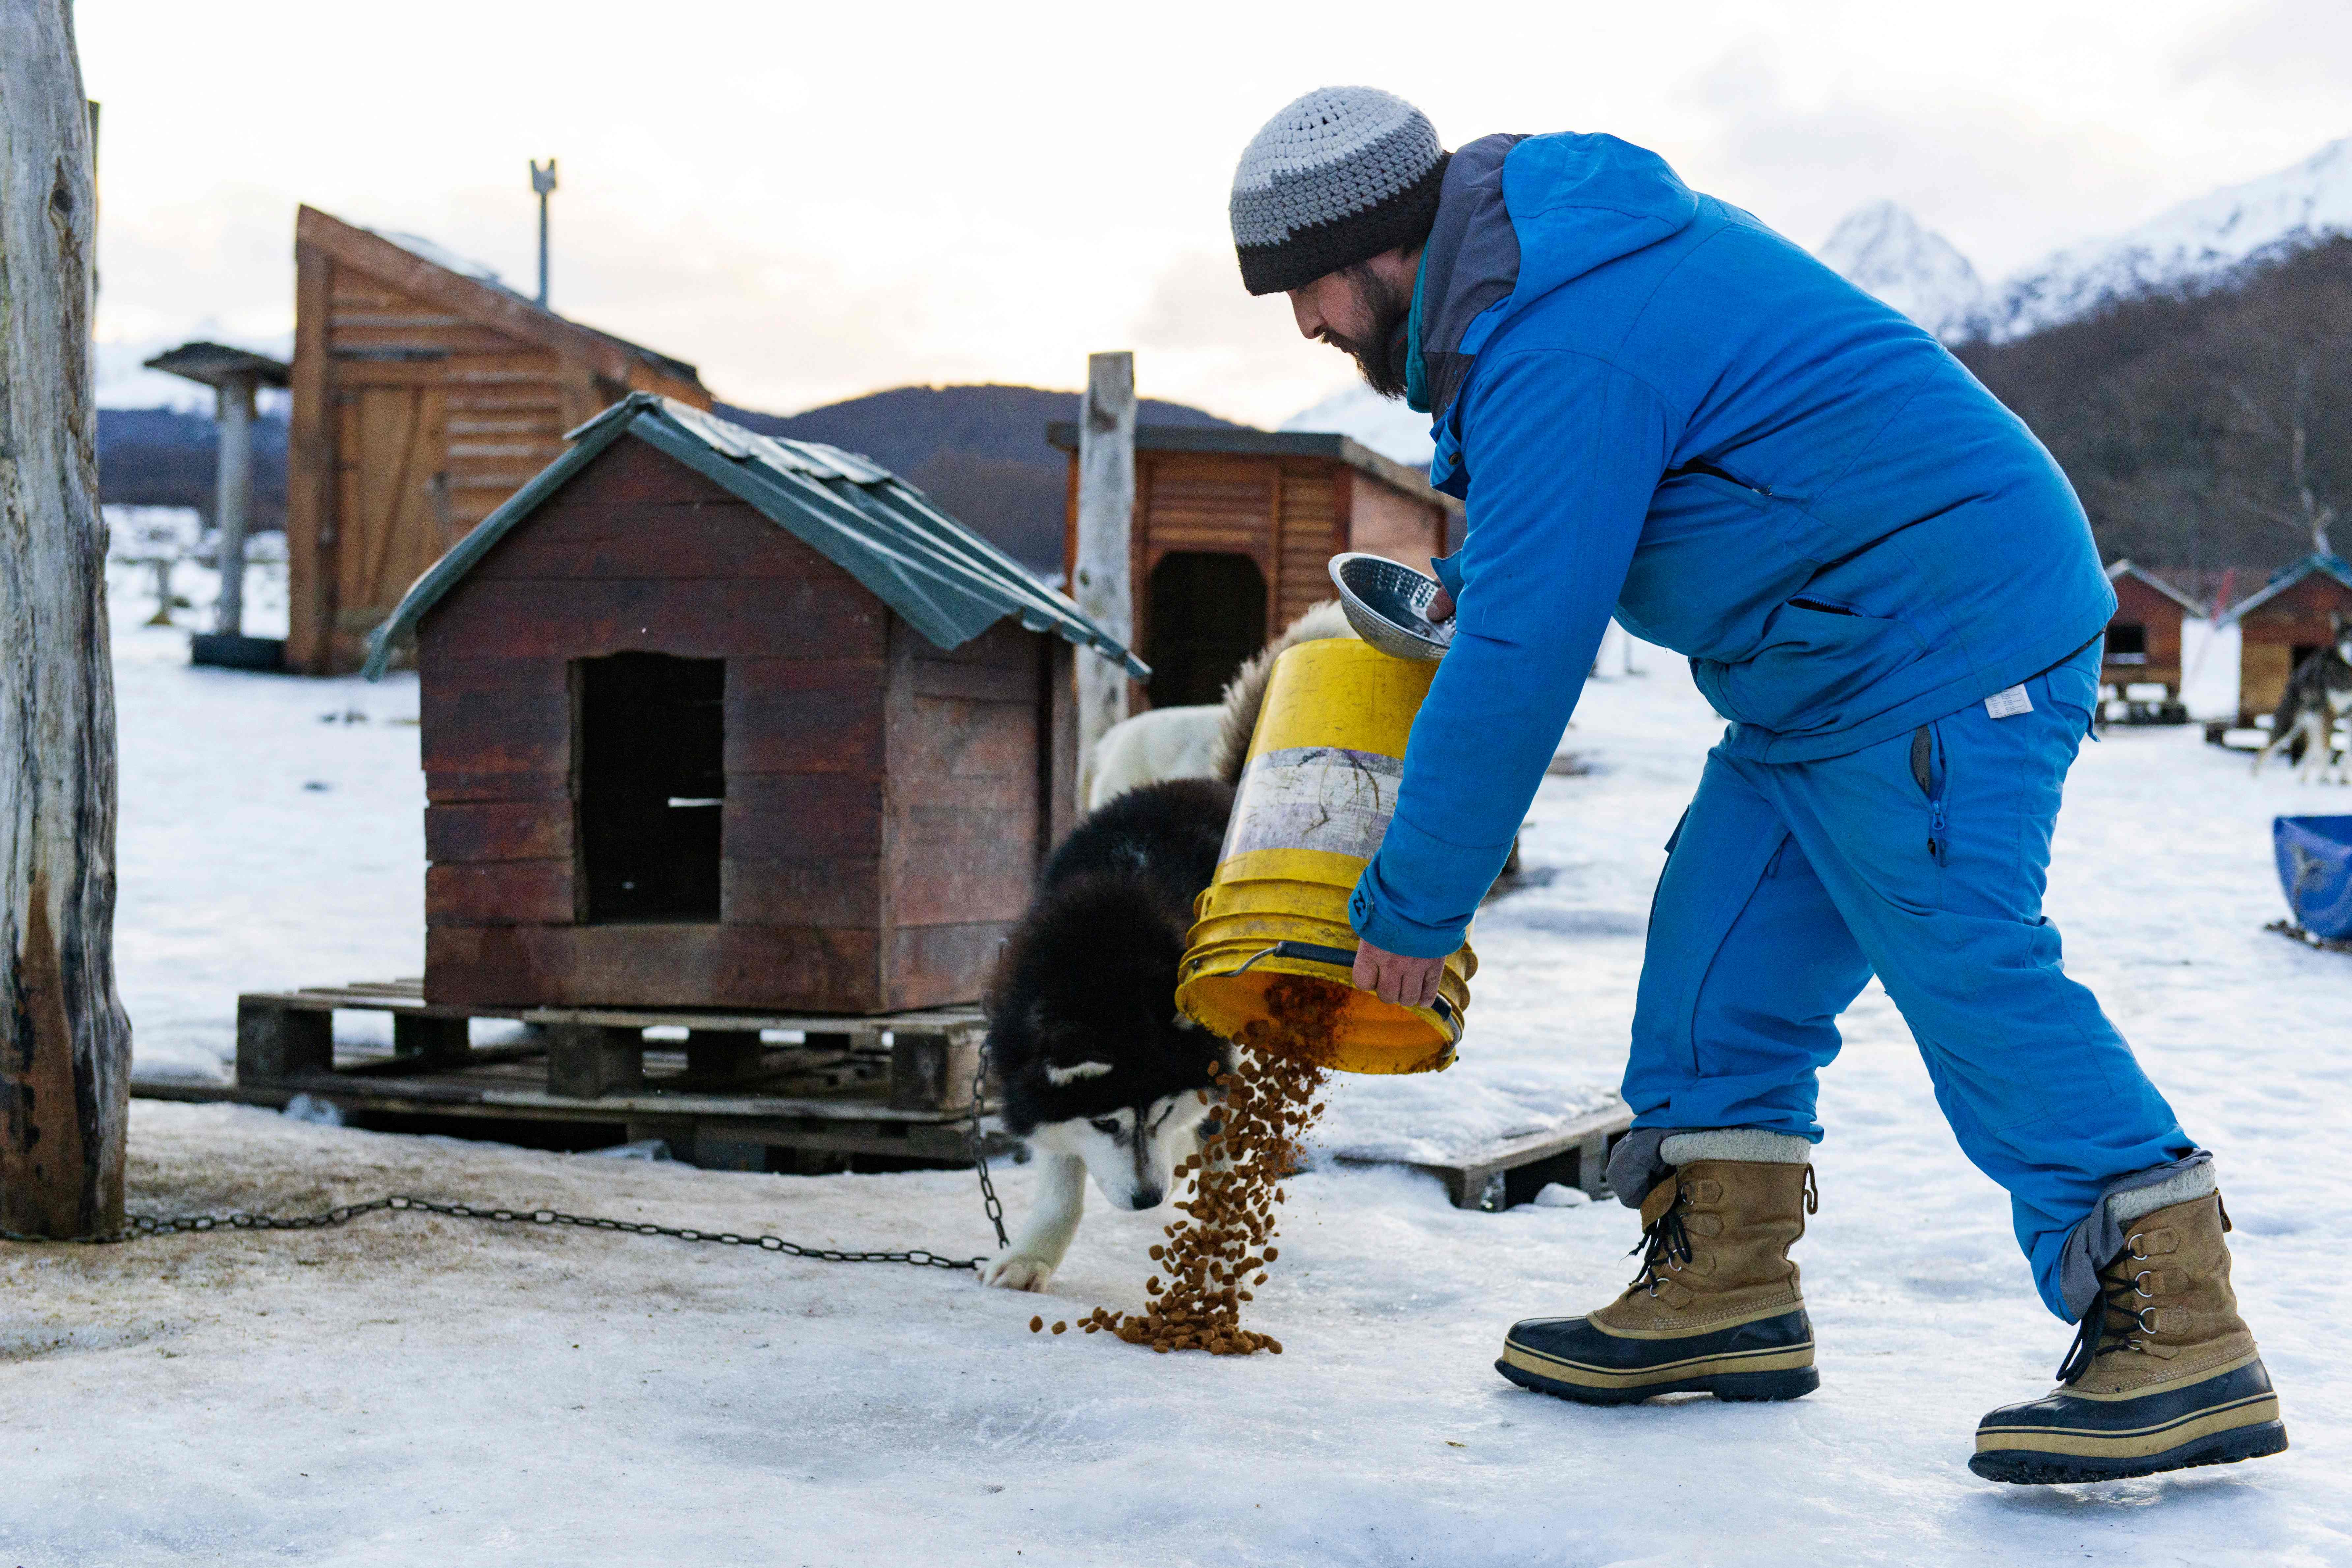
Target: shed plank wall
[(412, 421), (2137, 604), (1312, 531), (1384, 522)]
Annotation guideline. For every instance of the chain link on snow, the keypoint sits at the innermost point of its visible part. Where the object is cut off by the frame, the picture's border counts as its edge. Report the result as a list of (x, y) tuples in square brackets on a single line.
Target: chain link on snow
[(140, 1227), (988, 1198)]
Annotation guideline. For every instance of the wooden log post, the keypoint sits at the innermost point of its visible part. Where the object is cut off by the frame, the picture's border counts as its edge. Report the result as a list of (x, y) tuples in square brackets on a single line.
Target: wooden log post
[(65, 1044), (1102, 580), (232, 495)]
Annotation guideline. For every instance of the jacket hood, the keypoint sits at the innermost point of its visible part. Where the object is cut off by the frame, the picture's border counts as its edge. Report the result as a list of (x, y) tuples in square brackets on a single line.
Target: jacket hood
[(1517, 217)]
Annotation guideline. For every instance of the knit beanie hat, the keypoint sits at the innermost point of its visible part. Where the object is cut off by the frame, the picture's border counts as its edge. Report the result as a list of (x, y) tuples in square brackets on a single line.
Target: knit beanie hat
[(1339, 176)]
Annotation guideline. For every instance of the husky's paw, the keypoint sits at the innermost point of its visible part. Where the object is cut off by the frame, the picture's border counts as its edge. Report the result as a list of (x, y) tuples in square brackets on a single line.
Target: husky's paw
[(1013, 1272)]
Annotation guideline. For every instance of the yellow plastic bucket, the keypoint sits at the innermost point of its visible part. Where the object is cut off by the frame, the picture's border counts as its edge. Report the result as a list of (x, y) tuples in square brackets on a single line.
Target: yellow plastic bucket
[(1315, 796)]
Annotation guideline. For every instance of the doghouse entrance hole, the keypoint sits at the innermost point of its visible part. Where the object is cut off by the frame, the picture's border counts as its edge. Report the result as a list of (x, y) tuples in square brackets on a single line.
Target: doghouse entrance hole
[(653, 778), (1208, 615), (2126, 643)]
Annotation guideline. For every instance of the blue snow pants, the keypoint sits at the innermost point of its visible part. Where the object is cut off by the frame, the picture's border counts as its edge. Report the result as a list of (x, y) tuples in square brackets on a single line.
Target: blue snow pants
[(1923, 861)]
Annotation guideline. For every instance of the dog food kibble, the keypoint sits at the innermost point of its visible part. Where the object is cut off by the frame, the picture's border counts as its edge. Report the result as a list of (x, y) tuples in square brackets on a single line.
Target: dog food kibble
[(1036, 1325), (1061, 1327), (1270, 1102)]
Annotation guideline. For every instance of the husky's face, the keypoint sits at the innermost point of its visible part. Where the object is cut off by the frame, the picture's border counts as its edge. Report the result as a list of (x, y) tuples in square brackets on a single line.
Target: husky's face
[(1131, 1152)]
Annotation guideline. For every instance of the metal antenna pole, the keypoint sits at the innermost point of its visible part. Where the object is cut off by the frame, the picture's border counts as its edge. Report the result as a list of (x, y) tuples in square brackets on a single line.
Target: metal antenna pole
[(543, 181)]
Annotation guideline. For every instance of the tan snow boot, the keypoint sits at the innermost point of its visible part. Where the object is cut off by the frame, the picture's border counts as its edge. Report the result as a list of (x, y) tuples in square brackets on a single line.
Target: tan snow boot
[(2163, 1375), (1715, 1309)]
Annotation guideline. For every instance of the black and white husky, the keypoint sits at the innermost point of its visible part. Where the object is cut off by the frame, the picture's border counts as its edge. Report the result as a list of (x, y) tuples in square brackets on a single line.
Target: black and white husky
[(2318, 694), (1101, 1074)]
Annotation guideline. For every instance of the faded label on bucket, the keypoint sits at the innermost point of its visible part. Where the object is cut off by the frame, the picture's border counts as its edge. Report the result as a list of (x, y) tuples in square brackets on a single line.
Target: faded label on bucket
[(1314, 797)]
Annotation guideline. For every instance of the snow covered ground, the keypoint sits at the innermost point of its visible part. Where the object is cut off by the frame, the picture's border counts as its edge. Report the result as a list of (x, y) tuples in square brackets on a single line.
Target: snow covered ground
[(420, 1390)]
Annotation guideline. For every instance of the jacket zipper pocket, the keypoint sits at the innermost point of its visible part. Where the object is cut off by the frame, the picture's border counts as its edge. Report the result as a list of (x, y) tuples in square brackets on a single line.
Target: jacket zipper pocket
[(1697, 466), (1928, 774)]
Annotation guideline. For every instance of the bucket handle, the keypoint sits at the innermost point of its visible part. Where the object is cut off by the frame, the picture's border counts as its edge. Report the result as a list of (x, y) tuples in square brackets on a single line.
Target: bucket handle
[(1345, 957)]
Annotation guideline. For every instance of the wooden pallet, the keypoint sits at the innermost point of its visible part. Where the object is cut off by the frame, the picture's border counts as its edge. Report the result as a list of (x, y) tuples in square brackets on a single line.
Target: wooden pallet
[(722, 1096), (1503, 1175)]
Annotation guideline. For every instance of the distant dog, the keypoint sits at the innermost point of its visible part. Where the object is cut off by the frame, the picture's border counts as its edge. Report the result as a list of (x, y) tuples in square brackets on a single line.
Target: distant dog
[(1152, 748), (2318, 694), (1202, 741), (1101, 1074)]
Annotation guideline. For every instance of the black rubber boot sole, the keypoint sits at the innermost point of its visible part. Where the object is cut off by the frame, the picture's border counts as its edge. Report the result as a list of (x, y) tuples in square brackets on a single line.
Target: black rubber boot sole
[(2025, 1466), (1737, 1387)]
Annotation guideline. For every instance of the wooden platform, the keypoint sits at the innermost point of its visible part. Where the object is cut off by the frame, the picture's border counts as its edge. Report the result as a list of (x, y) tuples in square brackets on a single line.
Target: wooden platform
[(1511, 1171), (726, 1090)]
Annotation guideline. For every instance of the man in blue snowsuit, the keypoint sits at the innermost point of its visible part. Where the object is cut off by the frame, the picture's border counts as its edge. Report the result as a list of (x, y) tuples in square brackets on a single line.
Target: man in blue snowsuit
[(1654, 406)]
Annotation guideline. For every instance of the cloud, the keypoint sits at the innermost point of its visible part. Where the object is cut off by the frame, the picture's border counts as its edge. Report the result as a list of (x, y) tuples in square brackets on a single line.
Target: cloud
[(1992, 175), (2277, 48), (1202, 338)]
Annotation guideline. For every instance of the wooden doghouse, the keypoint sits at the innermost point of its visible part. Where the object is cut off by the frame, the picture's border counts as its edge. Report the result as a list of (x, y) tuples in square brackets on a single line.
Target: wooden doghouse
[(715, 719), (2290, 618), (1233, 532), (425, 393), (2143, 643)]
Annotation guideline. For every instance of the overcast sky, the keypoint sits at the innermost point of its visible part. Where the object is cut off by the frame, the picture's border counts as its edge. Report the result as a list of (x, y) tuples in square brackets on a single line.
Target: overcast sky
[(811, 202)]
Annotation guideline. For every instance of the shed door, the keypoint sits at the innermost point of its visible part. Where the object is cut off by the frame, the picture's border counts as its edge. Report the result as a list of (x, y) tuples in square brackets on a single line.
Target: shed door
[(394, 506)]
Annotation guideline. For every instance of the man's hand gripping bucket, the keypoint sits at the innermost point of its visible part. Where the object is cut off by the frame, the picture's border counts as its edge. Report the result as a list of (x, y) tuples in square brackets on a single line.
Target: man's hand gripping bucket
[(1315, 794)]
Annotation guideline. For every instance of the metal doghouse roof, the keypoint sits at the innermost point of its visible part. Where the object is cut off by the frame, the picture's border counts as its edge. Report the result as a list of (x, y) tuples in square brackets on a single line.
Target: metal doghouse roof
[(949, 583)]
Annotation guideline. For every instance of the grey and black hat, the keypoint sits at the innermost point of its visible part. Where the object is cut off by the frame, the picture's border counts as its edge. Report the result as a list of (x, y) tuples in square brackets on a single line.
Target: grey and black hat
[(1339, 176)]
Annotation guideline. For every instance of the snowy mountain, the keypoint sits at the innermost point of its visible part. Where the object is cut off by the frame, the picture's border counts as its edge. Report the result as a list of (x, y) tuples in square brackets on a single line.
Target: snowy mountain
[(2198, 239), (1882, 248), (1388, 428)]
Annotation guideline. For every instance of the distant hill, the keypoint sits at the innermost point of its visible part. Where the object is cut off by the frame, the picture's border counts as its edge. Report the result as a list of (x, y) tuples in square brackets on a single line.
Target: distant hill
[(161, 457), (2176, 412), (979, 451)]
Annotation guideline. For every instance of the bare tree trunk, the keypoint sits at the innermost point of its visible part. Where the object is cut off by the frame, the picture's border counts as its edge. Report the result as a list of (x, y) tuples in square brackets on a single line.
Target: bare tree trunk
[(65, 1045)]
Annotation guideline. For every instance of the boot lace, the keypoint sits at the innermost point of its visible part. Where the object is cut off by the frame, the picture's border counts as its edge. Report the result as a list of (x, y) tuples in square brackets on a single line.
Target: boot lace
[(1665, 1246), (2114, 1322)]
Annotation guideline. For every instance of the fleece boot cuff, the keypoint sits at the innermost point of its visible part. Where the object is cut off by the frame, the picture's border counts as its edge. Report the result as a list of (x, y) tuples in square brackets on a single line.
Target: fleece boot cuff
[(1751, 1145), (1644, 1156), (2095, 1242)]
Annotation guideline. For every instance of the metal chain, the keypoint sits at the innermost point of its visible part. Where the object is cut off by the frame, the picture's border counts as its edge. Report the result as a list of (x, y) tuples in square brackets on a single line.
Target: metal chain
[(140, 1227), (988, 1198)]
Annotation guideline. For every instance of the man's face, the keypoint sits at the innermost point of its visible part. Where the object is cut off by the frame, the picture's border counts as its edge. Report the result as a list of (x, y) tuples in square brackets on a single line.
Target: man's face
[(1362, 310)]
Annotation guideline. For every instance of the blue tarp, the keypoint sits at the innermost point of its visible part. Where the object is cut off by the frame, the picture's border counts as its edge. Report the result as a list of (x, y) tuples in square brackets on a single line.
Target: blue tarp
[(2315, 868)]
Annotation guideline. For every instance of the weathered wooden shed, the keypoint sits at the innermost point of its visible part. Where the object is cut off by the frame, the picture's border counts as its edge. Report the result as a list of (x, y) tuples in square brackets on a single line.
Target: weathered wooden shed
[(716, 720), (2288, 620), (425, 393), (2143, 644), (1234, 528)]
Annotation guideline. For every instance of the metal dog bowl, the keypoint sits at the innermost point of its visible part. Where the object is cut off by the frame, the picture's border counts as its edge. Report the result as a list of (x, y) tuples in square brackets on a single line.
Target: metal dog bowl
[(1389, 606)]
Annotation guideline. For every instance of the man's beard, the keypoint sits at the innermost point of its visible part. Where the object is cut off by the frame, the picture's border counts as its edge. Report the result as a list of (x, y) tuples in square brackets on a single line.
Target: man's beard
[(1380, 353)]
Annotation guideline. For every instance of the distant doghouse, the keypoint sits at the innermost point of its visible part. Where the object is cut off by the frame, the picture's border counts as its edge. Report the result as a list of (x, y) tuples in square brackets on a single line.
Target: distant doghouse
[(2289, 620), (712, 718), (1233, 530)]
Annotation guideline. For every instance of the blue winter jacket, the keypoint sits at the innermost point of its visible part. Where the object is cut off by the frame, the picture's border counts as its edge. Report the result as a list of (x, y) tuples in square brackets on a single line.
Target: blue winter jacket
[(1651, 403)]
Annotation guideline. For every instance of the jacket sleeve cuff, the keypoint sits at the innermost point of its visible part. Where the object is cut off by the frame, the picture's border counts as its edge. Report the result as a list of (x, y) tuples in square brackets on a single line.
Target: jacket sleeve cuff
[(1449, 574), (1446, 881)]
